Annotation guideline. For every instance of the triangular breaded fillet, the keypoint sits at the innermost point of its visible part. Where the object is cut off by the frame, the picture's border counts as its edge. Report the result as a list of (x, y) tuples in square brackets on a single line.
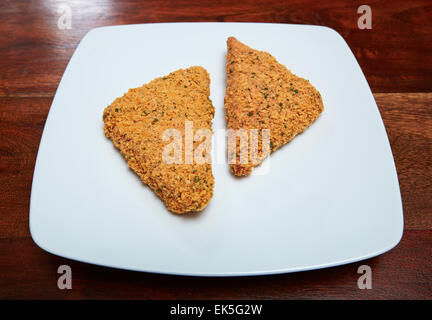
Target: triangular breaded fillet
[(263, 94), (137, 121)]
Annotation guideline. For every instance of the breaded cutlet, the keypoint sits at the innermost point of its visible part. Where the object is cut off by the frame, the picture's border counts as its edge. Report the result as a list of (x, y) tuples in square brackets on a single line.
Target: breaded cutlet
[(263, 94), (136, 122)]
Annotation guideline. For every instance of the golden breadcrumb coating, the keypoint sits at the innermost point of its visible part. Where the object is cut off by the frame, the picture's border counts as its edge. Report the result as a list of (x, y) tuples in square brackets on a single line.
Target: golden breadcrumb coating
[(136, 121), (263, 94)]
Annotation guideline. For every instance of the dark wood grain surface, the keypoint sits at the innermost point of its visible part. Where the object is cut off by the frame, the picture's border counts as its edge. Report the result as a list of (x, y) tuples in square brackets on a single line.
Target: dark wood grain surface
[(396, 57)]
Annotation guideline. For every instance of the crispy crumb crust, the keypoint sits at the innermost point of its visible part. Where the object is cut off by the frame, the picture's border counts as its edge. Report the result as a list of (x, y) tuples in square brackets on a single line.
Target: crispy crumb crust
[(263, 94), (135, 123)]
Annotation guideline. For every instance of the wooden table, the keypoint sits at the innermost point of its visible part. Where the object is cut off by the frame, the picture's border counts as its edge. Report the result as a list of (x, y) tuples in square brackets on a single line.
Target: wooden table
[(395, 55)]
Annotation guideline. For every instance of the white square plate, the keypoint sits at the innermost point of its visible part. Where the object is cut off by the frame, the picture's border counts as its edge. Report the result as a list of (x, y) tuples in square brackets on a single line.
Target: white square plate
[(330, 197)]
